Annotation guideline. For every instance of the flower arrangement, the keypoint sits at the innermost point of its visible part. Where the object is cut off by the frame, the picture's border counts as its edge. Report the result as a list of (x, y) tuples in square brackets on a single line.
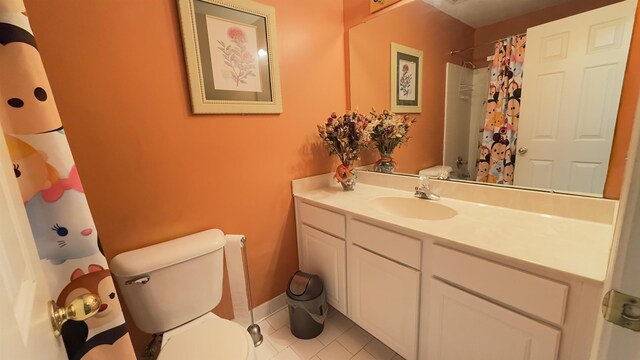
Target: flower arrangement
[(388, 131), (346, 136)]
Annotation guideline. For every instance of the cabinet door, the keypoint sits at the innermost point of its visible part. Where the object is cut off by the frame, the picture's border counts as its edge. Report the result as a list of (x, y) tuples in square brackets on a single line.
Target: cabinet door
[(383, 299), (324, 255), (463, 326)]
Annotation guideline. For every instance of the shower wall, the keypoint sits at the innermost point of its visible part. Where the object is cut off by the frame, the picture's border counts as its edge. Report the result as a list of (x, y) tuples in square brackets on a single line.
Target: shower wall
[(465, 101)]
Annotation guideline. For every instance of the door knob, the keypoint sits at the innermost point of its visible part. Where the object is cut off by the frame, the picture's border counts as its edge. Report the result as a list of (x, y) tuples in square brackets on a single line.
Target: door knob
[(523, 150), (80, 308)]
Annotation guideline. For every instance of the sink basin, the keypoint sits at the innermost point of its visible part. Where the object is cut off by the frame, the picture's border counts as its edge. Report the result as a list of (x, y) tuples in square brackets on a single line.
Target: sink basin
[(413, 208)]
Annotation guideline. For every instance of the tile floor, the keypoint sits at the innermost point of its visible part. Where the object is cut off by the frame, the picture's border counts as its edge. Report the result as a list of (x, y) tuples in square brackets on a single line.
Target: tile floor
[(341, 339)]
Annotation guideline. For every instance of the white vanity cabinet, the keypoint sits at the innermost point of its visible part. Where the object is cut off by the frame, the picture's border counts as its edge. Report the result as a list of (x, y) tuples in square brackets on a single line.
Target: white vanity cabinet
[(470, 314), (384, 289), (430, 298), (321, 252)]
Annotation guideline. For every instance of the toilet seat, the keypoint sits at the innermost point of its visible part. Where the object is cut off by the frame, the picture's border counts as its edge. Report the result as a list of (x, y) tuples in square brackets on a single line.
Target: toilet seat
[(208, 337)]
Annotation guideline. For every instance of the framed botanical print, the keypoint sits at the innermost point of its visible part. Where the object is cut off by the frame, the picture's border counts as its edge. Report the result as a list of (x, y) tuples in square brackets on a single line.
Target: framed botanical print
[(406, 79), (231, 56)]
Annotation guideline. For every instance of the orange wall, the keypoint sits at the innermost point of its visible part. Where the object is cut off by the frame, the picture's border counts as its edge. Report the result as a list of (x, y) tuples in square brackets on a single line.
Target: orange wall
[(417, 25), (626, 116), (152, 171)]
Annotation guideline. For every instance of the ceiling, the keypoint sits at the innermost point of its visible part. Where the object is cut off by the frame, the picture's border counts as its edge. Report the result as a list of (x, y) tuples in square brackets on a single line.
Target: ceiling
[(478, 13)]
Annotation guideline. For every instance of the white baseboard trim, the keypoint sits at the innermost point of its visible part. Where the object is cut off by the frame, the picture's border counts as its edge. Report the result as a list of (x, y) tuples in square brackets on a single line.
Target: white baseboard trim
[(270, 307)]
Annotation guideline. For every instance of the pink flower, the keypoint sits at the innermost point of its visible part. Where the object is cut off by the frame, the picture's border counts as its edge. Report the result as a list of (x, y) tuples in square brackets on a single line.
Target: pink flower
[(235, 33), (405, 68)]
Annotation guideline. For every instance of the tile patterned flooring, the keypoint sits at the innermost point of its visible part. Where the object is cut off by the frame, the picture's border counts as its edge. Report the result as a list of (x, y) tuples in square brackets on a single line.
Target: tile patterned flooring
[(341, 339)]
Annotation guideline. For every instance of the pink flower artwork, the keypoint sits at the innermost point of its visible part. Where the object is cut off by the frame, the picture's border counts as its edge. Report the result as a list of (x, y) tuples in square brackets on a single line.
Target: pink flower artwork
[(237, 57)]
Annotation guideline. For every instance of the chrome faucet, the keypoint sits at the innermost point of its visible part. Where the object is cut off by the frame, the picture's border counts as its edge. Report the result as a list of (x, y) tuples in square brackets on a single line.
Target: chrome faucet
[(423, 191)]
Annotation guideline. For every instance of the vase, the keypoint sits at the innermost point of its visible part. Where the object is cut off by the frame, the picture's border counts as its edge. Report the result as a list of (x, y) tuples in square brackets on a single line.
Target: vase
[(345, 176), (385, 164)]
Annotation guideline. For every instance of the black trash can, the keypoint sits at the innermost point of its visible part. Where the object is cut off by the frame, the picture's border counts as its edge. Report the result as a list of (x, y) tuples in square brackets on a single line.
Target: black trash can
[(307, 305)]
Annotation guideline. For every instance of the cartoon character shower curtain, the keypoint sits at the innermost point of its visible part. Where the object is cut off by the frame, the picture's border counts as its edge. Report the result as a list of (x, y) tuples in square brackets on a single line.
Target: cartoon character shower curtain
[(496, 163), (60, 219)]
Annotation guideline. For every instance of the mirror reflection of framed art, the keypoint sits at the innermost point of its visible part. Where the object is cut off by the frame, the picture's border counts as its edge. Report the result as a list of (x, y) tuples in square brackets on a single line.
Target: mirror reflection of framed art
[(406, 79)]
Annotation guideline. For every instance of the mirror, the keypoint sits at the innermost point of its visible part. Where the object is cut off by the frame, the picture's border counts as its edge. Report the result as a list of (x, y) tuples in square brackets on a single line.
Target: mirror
[(511, 96)]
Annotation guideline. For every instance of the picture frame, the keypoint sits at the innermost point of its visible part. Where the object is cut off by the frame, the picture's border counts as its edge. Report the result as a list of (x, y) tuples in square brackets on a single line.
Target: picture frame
[(406, 79), (231, 55)]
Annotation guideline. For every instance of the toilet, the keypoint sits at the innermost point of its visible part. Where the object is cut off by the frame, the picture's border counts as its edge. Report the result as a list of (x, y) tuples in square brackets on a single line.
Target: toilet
[(171, 287), (440, 171)]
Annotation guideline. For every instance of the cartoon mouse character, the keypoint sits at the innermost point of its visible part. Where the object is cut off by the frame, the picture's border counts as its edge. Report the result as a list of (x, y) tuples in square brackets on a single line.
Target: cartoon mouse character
[(513, 109), (27, 103), (498, 150), (61, 221), (106, 328)]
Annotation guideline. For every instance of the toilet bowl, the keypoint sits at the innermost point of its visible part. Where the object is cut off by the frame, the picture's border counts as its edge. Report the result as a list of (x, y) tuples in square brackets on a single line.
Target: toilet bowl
[(207, 337), (171, 287)]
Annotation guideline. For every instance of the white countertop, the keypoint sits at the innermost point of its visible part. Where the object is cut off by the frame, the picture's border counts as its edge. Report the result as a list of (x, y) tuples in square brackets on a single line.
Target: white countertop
[(572, 246)]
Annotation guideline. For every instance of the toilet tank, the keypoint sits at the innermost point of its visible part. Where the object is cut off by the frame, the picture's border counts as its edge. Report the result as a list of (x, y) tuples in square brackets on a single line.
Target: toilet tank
[(168, 284)]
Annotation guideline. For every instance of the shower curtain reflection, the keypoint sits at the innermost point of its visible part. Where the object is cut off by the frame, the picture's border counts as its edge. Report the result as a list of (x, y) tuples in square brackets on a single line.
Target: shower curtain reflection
[(496, 159)]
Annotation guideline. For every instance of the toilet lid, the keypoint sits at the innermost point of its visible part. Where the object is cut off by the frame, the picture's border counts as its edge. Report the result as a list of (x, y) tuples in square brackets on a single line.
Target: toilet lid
[(212, 339)]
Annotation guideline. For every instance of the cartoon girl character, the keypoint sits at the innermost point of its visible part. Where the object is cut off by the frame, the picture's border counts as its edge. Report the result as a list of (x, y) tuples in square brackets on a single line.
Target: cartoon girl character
[(106, 331), (30, 167), (508, 174), (485, 153), (483, 171), (27, 103), (61, 221), (513, 86)]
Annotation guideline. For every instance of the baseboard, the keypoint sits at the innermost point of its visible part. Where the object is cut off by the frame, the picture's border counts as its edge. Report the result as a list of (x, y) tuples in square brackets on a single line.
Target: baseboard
[(270, 307)]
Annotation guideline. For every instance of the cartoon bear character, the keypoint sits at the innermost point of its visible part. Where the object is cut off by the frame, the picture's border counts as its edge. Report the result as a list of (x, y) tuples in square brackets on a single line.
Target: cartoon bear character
[(26, 98), (498, 119), (61, 221), (30, 167), (507, 175), (483, 170), (106, 328)]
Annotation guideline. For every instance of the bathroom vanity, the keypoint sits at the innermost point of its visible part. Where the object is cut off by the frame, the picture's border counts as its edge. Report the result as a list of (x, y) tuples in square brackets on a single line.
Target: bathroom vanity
[(468, 277)]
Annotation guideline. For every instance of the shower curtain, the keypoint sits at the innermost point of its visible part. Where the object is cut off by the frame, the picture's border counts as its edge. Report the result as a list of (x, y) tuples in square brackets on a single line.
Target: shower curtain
[(53, 195), (496, 161)]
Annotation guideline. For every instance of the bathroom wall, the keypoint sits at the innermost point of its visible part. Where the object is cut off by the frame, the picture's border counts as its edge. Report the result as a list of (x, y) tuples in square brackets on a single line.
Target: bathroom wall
[(151, 170), (370, 80), (520, 24), (626, 116)]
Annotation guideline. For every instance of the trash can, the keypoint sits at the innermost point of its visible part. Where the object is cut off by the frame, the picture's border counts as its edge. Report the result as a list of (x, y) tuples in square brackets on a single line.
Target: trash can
[(307, 305)]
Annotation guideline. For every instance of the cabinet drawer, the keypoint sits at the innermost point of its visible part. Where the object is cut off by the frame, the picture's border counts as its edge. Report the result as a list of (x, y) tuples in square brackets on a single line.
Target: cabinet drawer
[(532, 294), (390, 244), (325, 220)]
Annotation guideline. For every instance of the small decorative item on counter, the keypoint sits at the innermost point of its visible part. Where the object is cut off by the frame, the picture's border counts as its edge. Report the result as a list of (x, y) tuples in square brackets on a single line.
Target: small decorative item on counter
[(388, 130), (346, 136)]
